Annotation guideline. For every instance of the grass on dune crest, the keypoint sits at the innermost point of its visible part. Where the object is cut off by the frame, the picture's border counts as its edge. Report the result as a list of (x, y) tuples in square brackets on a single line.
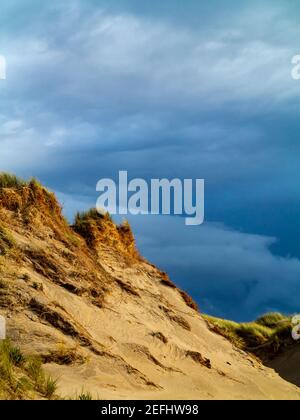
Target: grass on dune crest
[(11, 181), (272, 320), (8, 180), (92, 214), (265, 337)]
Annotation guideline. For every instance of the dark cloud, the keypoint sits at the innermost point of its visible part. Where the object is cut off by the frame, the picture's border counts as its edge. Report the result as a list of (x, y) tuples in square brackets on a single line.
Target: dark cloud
[(231, 273)]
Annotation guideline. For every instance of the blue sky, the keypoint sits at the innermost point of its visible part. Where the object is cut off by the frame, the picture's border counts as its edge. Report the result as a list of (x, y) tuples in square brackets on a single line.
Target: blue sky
[(168, 89)]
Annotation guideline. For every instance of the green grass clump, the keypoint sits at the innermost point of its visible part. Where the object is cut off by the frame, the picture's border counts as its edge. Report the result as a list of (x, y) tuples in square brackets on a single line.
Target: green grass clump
[(272, 320), (265, 337), (87, 223), (254, 334), (89, 215), (44, 384), (23, 377), (15, 355), (227, 328), (50, 387), (85, 396), (6, 241), (11, 181)]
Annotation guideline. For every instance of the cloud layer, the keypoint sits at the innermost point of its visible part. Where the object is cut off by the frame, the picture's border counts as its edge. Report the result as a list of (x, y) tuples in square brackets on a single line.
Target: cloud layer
[(231, 273)]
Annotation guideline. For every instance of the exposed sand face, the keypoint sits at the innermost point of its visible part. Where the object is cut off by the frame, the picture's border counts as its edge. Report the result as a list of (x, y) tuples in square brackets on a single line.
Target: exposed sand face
[(139, 341), (144, 351)]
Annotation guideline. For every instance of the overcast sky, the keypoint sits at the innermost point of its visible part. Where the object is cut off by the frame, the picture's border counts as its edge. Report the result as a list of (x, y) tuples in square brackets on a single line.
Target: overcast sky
[(168, 89)]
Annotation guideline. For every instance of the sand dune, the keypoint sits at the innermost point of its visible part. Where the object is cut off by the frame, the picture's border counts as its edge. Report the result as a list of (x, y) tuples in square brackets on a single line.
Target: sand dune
[(105, 321)]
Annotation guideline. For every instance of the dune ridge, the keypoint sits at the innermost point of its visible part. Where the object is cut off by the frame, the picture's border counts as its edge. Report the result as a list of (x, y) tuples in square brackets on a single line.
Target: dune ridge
[(103, 319)]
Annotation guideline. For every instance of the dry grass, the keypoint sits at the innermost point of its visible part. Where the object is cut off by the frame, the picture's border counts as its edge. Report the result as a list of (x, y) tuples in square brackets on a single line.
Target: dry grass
[(35, 206), (92, 226), (127, 239), (84, 216)]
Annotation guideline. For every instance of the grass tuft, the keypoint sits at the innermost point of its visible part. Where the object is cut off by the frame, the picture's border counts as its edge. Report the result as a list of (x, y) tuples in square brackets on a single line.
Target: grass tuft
[(265, 337), (92, 214), (6, 241), (23, 377), (85, 396), (11, 181), (272, 320)]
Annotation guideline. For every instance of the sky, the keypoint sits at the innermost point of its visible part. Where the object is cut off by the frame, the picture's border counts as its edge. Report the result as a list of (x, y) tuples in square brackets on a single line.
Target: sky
[(168, 89)]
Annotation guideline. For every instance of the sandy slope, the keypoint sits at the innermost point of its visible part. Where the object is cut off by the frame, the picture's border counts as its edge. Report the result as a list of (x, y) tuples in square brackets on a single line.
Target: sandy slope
[(114, 329), (133, 362)]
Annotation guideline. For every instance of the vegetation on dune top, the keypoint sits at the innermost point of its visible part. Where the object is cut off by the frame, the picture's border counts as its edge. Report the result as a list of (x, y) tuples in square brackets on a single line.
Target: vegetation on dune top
[(11, 181), (89, 215), (29, 199), (8, 180), (95, 227), (36, 207), (272, 320), (265, 337), (26, 197)]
